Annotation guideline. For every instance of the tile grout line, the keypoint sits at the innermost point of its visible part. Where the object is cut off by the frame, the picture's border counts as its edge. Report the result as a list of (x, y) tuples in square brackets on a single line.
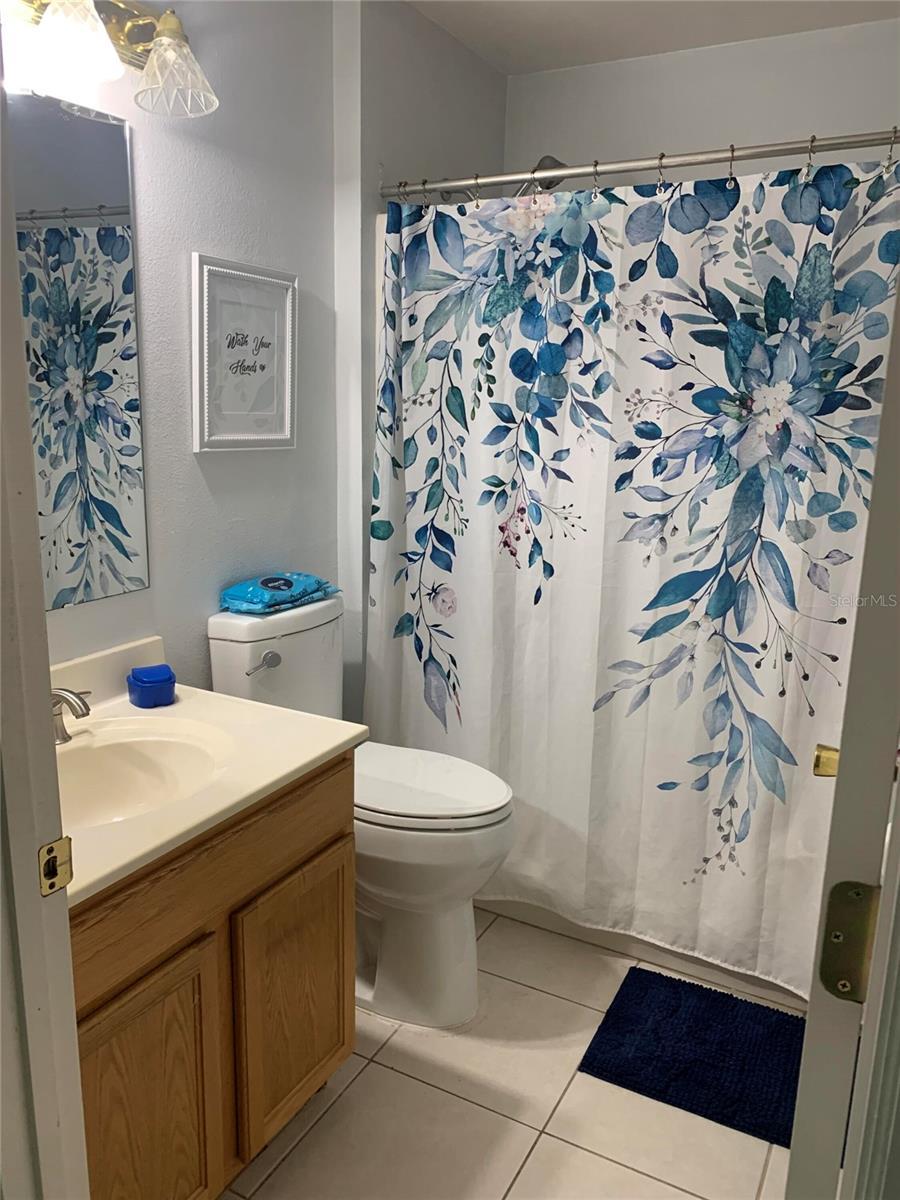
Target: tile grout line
[(303, 1135), (647, 965), (626, 1166), (477, 1103), (539, 1132), (465, 1099), (641, 962), (543, 1132), (559, 1101), (487, 927), (765, 1171), (379, 1049), (568, 936), (543, 991), (522, 1165)]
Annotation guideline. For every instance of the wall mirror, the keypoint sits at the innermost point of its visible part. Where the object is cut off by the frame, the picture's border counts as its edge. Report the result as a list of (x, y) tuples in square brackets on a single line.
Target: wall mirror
[(76, 256)]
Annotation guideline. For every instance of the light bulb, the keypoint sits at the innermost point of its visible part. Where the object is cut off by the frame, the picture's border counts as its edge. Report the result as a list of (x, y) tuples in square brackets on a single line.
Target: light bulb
[(19, 34), (73, 51)]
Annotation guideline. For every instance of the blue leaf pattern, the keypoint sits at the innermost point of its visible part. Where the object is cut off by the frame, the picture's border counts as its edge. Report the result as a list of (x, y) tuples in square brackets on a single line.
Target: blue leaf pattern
[(774, 427), (77, 288), (502, 327)]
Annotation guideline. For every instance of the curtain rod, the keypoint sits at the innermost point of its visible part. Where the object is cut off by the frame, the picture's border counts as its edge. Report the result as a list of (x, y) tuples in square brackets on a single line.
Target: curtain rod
[(100, 211), (817, 146)]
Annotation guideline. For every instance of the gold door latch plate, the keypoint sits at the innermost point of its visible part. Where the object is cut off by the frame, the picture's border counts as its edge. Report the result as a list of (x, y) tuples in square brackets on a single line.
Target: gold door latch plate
[(849, 933), (55, 866), (826, 759)]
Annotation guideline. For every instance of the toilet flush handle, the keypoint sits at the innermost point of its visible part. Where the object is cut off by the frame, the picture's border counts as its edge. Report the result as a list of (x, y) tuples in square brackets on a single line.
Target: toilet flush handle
[(270, 659)]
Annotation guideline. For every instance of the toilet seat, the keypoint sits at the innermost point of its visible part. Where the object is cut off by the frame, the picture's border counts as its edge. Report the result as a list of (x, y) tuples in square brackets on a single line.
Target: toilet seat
[(400, 788)]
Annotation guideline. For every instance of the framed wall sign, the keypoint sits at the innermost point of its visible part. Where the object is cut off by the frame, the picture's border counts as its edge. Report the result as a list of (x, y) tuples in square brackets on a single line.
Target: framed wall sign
[(244, 350)]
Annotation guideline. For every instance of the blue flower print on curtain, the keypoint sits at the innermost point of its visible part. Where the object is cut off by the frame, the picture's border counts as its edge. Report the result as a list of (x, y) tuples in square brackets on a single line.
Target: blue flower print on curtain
[(77, 288), (520, 287), (765, 319)]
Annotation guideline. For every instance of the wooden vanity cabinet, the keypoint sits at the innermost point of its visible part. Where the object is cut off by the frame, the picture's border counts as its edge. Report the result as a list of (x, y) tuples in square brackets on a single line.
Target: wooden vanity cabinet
[(151, 1084), (293, 953), (215, 993)]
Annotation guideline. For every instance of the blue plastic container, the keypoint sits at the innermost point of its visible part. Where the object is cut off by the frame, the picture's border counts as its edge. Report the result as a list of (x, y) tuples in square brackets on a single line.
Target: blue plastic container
[(151, 687)]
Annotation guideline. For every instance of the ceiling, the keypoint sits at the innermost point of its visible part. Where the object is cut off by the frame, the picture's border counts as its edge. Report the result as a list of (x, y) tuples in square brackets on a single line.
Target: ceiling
[(519, 36)]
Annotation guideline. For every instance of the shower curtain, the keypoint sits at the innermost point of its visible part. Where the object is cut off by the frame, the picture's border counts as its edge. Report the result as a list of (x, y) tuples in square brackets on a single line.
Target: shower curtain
[(81, 352), (624, 450)]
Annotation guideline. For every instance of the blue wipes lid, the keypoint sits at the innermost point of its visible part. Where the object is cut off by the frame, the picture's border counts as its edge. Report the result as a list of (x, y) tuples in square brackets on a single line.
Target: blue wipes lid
[(161, 673)]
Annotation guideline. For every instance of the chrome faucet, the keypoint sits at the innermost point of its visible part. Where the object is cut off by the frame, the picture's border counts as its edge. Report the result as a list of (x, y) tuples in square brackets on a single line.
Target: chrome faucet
[(77, 706)]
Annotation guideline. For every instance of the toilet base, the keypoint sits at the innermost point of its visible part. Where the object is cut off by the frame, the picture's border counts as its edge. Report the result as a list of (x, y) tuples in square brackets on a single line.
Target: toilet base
[(425, 965)]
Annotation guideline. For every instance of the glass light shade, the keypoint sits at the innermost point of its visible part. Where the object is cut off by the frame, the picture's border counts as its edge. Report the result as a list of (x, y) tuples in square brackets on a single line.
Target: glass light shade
[(72, 51), (173, 83), (19, 53)]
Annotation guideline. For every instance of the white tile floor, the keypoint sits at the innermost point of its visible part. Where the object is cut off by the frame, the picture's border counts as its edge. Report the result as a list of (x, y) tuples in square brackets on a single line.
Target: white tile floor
[(496, 1110)]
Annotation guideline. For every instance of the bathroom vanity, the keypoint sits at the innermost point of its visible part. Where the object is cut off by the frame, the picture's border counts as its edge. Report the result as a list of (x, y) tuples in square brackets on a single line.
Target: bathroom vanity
[(214, 968)]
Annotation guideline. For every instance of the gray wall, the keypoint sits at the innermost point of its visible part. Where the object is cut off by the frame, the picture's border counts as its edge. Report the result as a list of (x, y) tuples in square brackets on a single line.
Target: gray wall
[(827, 82), (430, 108), (253, 182)]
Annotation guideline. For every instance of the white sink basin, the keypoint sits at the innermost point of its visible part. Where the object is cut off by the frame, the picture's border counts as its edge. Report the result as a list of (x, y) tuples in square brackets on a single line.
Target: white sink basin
[(118, 768)]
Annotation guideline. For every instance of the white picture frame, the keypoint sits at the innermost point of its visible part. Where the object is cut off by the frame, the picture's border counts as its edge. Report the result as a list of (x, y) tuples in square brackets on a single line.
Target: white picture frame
[(244, 356)]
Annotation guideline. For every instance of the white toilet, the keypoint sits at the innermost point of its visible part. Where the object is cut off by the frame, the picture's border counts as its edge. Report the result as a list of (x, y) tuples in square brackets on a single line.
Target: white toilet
[(430, 829)]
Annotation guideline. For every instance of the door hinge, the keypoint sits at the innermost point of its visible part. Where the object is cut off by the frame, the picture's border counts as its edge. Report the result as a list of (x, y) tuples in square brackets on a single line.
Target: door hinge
[(55, 866), (850, 919)]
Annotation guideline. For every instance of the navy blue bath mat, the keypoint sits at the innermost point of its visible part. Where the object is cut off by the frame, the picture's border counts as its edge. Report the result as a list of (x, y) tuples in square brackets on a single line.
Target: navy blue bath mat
[(730, 1060)]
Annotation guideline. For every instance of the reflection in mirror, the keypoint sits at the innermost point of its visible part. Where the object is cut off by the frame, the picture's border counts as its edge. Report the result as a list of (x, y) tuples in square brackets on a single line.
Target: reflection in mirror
[(76, 267)]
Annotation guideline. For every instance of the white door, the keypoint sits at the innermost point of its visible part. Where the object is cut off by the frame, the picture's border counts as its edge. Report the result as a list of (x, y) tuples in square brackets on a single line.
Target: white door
[(43, 1131), (840, 1032)]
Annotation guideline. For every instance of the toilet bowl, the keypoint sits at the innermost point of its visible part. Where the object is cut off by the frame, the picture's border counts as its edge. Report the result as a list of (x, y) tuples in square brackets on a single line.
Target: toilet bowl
[(430, 832), (430, 829)]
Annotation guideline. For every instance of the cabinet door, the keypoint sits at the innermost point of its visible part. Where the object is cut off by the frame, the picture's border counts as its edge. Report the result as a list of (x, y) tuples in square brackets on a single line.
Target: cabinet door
[(150, 1081), (295, 977)]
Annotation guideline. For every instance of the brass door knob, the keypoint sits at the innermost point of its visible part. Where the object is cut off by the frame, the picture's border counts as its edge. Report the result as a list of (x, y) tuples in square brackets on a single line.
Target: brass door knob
[(826, 760)]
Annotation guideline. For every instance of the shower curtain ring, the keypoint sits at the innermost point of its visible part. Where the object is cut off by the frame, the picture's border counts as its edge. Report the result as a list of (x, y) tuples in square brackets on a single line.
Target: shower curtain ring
[(425, 194), (534, 190), (477, 192), (660, 183), (595, 194), (807, 170), (731, 182), (402, 192), (889, 160)]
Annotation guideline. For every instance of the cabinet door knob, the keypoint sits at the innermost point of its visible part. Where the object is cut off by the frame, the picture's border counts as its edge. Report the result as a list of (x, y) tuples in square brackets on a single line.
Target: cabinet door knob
[(270, 659)]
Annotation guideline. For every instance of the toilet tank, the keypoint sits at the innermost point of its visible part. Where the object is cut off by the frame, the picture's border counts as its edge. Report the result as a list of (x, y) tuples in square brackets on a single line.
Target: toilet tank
[(308, 641)]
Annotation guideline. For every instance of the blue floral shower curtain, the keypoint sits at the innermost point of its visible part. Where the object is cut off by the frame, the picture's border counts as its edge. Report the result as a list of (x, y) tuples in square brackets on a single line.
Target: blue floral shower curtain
[(79, 324), (625, 442)]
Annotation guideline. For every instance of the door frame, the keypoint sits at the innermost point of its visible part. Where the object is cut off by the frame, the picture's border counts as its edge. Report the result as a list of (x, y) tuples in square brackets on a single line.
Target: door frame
[(872, 1158), (840, 1032), (52, 1150)]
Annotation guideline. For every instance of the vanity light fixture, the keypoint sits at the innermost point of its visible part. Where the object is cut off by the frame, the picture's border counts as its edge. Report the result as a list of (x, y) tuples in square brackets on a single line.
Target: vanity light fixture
[(173, 82), (71, 48), (88, 42)]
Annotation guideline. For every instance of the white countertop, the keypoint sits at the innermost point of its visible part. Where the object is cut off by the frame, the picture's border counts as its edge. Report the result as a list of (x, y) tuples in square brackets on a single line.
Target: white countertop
[(260, 748)]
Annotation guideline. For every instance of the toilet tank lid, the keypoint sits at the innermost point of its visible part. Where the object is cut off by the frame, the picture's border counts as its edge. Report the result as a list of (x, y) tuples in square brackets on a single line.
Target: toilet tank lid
[(248, 627)]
